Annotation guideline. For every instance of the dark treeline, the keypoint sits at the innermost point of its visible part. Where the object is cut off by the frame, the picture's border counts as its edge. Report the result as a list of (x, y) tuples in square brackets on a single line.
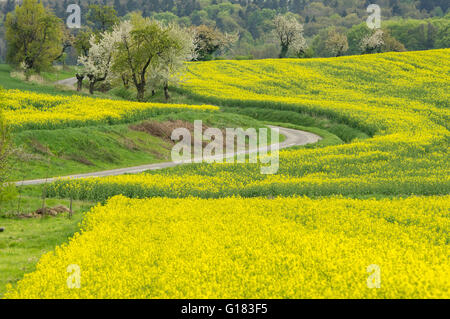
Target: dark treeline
[(183, 8), (417, 24)]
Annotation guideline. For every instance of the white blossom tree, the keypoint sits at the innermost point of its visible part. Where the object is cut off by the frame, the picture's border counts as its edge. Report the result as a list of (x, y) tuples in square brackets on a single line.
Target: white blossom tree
[(171, 64), (373, 43), (97, 65), (290, 33), (299, 46)]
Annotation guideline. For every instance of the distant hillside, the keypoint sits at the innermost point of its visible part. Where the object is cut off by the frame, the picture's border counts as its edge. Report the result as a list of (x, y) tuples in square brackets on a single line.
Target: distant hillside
[(253, 19), (252, 16)]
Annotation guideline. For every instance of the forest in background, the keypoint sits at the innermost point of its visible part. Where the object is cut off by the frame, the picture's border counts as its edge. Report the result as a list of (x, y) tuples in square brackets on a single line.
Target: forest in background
[(416, 24)]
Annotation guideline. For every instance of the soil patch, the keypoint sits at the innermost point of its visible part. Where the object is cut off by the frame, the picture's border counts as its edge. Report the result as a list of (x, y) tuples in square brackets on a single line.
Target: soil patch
[(47, 211)]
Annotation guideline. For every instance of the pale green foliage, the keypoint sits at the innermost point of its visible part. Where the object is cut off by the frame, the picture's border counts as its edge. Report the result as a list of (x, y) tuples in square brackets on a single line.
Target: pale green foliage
[(81, 42), (380, 41), (209, 41), (34, 36), (171, 63), (102, 17), (143, 43), (336, 43)]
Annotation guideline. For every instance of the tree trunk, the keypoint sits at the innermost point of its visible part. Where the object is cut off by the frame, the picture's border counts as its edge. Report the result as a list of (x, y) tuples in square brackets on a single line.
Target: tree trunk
[(91, 87), (140, 92), (126, 82), (80, 79), (29, 64), (166, 91), (153, 92), (284, 51)]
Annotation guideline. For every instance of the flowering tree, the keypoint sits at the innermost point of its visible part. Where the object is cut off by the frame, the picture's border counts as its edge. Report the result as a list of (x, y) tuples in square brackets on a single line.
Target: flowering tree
[(290, 33), (336, 43), (381, 41), (142, 42), (373, 43), (171, 65), (299, 46), (97, 65), (82, 44)]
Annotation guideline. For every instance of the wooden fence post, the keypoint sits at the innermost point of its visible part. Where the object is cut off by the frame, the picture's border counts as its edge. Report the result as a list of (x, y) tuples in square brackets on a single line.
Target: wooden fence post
[(44, 190), (71, 211), (20, 196)]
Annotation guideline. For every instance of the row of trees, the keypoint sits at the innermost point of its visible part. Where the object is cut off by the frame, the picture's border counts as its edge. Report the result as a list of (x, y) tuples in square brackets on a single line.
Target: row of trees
[(139, 51), (361, 39), (149, 54), (331, 42), (253, 20), (249, 14), (136, 51)]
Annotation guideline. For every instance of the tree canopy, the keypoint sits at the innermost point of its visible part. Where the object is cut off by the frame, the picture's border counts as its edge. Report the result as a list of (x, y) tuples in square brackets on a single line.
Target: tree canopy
[(34, 36), (253, 20)]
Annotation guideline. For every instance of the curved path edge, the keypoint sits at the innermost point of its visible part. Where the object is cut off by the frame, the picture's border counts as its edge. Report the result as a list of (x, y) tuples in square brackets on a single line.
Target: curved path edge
[(293, 138), (70, 82)]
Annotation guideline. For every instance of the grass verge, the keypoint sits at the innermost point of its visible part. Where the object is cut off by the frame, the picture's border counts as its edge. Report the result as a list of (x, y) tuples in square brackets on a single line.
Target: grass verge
[(24, 241), (61, 152)]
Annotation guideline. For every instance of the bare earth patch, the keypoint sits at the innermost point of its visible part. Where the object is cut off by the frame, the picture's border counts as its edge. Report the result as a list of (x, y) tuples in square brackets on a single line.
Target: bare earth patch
[(164, 130), (47, 211)]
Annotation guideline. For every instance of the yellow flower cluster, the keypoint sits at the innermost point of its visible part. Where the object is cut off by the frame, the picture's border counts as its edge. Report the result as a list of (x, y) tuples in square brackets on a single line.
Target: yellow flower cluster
[(27, 110), (251, 248)]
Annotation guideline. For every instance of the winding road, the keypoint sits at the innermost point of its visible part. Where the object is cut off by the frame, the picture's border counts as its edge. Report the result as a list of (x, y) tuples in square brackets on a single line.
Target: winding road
[(70, 82), (293, 138)]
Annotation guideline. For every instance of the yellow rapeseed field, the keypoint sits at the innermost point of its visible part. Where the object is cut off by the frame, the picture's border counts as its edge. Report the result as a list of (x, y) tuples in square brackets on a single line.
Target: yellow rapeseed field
[(251, 248), (401, 100), (310, 231), (28, 110)]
